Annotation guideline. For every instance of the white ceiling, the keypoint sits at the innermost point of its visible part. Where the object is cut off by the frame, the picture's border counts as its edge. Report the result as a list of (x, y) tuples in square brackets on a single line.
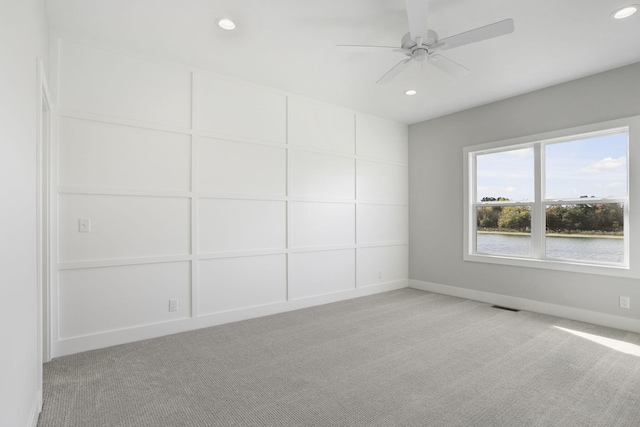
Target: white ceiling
[(289, 45)]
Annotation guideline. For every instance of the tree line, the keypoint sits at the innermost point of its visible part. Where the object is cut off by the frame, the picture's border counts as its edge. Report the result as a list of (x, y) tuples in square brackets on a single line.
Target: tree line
[(587, 218)]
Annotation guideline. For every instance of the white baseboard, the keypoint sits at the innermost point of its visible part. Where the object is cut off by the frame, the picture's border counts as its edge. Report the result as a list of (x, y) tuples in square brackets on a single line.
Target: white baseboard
[(36, 408), (123, 336), (578, 314)]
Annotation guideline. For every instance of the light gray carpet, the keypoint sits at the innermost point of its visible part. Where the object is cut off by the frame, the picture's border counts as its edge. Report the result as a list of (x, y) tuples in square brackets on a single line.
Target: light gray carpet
[(402, 358)]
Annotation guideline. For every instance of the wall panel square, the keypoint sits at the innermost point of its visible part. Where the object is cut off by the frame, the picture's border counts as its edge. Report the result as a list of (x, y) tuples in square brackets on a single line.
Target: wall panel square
[(322, 272), (103, 82), (123, 227), (97, 300), (230, 167), (241, 111), (382, 264), (321, 175), (381, 139), (381, 182), (234, 283), (382, 223), (241, 225), (312, 124), (321, 224), (102, 155)]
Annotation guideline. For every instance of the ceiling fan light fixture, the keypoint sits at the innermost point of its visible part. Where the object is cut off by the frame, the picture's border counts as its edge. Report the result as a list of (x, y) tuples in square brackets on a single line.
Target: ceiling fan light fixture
[(625, 12), (226, 24), (410, 92)]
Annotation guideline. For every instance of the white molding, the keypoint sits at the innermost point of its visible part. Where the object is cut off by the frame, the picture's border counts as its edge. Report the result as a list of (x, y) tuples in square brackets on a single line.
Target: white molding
[(201, 256), (297, 250), (239, 254), (311, 199), (206, 134), (383, 161), (121, 121), (237, 138), (556, 310), (241, 196), (216, 136), (195, 200), (316, 150), (117, 262), (382, 244), (110, 191), (45, 115), (36, 409), (382, 202), (123, 336)]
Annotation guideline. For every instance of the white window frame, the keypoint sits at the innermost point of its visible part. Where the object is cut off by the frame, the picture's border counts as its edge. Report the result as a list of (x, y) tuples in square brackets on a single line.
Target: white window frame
[(538, 206)]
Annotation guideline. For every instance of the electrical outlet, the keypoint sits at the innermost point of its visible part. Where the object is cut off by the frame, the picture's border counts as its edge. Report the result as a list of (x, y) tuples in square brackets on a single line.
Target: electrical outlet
[(173, 305), (625, 302), (84, 225)]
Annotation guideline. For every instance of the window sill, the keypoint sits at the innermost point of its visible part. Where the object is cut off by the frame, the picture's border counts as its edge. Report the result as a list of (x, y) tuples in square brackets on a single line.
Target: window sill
[(573, 266)]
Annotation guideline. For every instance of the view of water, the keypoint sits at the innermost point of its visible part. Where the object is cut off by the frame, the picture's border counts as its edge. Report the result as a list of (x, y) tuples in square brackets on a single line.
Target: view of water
[(578, 248)]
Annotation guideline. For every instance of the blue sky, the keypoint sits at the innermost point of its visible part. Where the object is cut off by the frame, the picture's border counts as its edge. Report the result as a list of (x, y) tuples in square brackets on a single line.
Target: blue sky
[(593, 166)]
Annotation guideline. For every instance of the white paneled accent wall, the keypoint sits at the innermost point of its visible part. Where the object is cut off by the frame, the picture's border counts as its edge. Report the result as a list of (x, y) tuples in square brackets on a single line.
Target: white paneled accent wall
[(94, 300), (233, 199), (226, 225), (246, 281), (108, 84)]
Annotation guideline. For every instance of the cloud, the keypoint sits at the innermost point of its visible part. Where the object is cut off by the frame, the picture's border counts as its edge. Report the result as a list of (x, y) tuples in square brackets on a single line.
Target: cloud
[(607, 163), (510, 189), (612, 185)]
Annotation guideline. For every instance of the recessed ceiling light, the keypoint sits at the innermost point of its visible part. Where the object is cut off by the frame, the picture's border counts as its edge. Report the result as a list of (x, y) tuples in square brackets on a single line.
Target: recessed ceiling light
[(226, 23), (625, 12), (410, 92)]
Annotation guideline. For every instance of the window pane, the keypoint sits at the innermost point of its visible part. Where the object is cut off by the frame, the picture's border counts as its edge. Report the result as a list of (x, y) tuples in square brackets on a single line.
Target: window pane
[(586, 232), (503, 230), (589, 167), (507, 175)]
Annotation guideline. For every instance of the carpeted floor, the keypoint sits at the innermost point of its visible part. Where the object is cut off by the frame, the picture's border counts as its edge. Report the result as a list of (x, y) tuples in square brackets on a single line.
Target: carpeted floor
[(402, 358)]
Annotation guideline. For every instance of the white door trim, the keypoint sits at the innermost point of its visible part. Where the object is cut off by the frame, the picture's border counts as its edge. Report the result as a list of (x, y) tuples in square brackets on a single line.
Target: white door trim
[(43, 226)]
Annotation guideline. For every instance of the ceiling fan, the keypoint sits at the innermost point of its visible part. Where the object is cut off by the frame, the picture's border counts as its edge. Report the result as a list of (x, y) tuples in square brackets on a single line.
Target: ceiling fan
[(420, 43)]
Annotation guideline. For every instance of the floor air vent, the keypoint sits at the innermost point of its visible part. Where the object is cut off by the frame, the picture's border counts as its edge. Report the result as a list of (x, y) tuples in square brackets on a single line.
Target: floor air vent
[(505, 308)]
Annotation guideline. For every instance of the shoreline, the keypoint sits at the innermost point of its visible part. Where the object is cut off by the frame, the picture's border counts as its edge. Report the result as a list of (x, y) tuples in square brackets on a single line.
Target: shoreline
[(517, 233)]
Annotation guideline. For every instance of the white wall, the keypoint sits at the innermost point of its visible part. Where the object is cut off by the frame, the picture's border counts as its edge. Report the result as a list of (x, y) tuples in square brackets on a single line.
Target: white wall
[(23, 38), (436, 200), (235, 199)]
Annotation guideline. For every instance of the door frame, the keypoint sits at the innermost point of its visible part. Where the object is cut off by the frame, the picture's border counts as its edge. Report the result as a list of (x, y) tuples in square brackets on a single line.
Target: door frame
[(43, 215)]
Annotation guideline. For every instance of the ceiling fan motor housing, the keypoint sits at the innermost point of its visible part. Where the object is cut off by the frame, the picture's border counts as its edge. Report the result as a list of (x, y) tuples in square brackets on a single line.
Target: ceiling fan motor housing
[(418, 53), (408, 43)]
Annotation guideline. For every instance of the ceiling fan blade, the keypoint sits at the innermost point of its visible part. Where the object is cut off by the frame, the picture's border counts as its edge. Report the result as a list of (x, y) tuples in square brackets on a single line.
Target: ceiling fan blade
[(483, 33), (392, 73), (418, 13), (447, 65), (365, 48)]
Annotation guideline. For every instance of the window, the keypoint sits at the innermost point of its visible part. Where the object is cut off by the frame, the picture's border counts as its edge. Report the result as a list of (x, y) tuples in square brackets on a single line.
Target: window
[(557, 201)]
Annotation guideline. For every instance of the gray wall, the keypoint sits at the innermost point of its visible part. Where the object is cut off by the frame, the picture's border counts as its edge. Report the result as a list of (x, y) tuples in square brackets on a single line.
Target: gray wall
[(436, 187)]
